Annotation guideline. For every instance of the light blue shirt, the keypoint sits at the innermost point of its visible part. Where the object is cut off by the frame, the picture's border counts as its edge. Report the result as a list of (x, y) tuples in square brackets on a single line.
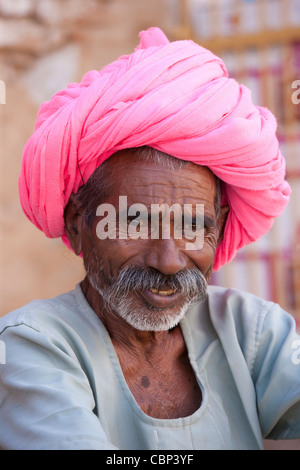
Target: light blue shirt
[(62, 387)]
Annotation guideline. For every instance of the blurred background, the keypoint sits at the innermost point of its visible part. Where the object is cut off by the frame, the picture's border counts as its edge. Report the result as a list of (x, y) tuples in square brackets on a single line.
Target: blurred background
[(46, 44)]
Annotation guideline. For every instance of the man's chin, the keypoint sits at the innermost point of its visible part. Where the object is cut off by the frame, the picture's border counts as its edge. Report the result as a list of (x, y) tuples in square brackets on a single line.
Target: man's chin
[(148, 323), (146, 316)]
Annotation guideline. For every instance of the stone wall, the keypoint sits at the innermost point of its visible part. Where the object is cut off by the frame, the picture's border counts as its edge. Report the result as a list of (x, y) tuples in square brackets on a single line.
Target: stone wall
[(44, 45)]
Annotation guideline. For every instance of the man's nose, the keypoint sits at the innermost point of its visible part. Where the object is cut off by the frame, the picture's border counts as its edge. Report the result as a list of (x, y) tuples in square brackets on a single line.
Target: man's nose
[(165, 256)]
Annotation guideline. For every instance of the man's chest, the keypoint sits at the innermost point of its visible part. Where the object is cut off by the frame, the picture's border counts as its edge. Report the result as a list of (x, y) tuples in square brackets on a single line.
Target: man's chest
[(165, 393)]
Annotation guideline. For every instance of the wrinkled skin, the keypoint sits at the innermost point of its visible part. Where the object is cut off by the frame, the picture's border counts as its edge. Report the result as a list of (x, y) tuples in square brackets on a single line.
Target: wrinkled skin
[(155, 364)]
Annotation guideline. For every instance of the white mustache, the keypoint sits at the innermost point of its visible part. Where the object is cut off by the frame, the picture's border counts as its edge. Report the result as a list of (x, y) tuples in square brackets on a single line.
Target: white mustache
[(190, 282)]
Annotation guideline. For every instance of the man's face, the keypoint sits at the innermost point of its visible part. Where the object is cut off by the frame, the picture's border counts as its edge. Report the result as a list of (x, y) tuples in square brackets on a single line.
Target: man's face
[(151, 281)]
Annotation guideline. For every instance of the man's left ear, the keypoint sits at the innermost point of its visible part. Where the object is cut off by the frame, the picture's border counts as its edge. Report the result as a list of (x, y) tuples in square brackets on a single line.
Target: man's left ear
[(73, 226), (224, 211)]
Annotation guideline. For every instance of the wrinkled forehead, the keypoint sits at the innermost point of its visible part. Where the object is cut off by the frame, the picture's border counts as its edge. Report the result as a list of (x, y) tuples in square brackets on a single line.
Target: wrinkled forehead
[(159, 175)]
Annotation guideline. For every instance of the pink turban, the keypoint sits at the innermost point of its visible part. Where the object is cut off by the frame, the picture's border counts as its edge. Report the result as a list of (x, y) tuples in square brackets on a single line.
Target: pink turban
[(175, 97)]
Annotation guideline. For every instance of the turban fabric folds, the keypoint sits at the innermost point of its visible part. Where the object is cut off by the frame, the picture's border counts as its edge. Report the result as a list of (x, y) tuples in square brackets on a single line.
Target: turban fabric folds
[(175, 97)]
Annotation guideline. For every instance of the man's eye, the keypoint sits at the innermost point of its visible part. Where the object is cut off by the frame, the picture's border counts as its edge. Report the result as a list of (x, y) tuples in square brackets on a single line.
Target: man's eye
[(190, 226), (131, 220), (135, 221)]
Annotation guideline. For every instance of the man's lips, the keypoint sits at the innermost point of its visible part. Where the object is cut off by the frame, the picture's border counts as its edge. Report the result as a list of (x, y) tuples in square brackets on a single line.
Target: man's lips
[(160, 298), (163, 292)]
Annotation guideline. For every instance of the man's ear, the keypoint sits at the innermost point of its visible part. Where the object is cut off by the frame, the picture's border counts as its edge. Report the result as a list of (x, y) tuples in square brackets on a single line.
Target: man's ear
[(222, 221), (73, 225)]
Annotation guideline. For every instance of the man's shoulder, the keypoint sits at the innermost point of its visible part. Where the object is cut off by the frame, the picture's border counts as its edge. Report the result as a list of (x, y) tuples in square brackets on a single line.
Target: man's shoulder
[(39, 312), (241, 322), (236, 300), (232, 311), (240, 308), (248, 317)]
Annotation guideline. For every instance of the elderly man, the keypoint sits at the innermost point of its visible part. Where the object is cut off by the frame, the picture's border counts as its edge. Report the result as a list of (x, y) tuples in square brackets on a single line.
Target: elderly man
[(143, 354)]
